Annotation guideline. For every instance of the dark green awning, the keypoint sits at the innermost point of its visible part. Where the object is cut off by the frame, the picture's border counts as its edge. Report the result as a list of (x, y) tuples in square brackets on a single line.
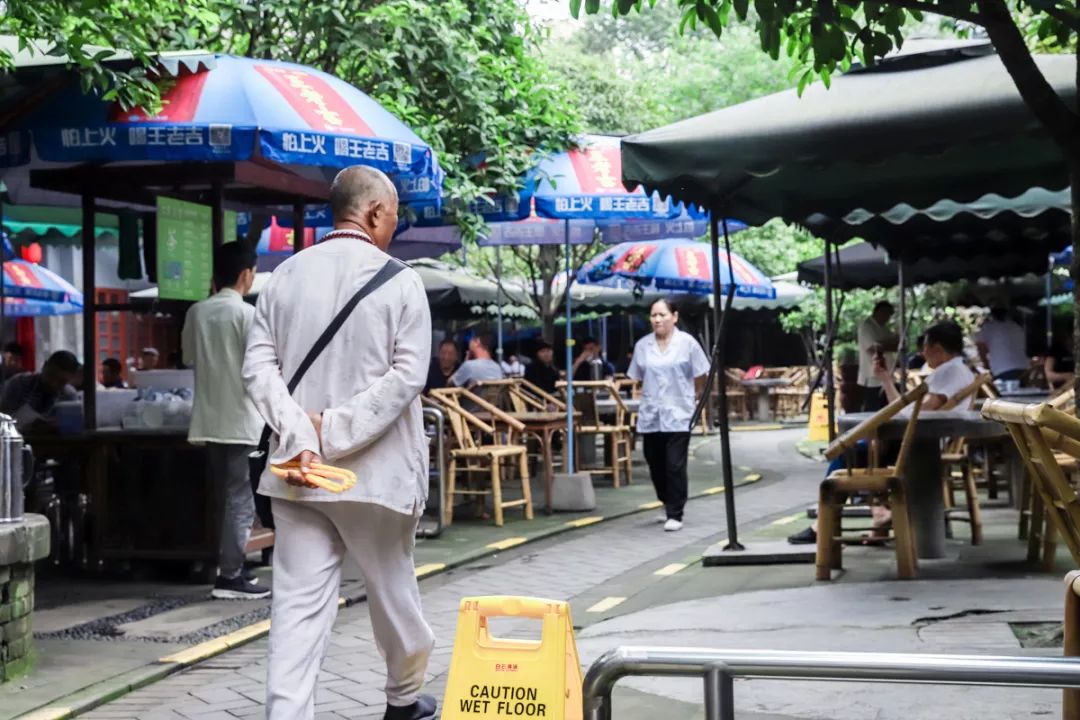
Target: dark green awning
[(933, 123)]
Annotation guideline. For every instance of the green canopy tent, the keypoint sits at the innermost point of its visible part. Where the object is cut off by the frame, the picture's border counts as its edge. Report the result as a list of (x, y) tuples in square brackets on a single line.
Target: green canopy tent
[(941, 120)]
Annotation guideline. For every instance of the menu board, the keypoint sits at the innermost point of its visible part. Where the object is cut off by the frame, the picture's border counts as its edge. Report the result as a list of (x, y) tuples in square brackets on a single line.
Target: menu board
[(184, 249)]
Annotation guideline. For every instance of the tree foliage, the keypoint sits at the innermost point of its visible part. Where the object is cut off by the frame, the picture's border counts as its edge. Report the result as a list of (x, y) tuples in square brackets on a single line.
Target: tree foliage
[(464, 75), (633, 73), (85, 31)]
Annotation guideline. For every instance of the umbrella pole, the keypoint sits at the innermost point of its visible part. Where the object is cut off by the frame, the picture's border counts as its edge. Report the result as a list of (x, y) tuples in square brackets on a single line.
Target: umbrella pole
[(569, 362), (89, 321), (498, 302), (830, 383), (725, 438)]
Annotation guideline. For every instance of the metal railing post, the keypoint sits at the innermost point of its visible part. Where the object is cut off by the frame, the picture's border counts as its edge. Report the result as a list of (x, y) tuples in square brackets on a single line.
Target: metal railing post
[(1070, 702), (718, 668), (719, 693)]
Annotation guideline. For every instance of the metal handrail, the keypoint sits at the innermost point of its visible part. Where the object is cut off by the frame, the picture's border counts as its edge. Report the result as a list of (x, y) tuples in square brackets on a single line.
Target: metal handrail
[(719, 668), (435, 415)]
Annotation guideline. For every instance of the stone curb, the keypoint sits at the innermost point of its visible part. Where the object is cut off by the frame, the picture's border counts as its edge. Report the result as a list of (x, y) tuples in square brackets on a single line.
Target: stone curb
[(106, 691)]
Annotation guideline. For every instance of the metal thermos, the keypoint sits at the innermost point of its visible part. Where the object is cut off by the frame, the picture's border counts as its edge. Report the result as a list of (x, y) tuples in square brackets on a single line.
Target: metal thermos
[(596, 369), (12, 471)]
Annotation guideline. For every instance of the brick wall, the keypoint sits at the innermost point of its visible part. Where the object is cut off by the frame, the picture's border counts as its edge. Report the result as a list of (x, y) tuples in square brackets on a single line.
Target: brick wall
[(21, 545), (16, 604)]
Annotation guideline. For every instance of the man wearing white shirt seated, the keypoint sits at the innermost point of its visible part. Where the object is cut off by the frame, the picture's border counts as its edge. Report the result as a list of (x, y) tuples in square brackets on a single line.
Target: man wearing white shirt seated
[(943, 348)]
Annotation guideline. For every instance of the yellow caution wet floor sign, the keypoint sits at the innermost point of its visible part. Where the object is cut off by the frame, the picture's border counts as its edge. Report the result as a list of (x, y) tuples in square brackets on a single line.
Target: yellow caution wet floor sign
[(819, 418), (494, 677)]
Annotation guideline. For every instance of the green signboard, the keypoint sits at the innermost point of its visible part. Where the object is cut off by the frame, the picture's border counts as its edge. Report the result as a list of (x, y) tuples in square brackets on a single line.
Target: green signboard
[(184, 249)]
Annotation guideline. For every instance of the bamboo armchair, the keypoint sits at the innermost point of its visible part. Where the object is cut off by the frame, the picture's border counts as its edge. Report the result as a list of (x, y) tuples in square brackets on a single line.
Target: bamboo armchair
[(884, 485), (619, 432), (483, 448), (1038, 430), (789, 400), (958, 466)]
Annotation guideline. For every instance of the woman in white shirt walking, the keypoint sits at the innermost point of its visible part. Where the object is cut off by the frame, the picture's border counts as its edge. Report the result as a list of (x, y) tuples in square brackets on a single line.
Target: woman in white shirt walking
[(668, 363)]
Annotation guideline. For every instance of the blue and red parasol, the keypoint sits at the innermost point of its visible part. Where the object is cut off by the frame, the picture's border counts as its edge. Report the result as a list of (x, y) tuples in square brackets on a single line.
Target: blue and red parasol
[(677, 266), (235, 110)]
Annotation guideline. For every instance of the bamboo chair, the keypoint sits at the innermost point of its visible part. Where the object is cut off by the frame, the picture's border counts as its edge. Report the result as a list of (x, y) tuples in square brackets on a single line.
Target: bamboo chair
[(738, 409), (958, 465), (1065, 401), (484, 448), (1038, 430), (618, 433), (884, 484), (788, 401)]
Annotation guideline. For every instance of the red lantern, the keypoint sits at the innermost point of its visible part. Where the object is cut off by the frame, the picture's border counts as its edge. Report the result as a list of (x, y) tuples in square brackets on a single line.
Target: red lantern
[(32, 253)]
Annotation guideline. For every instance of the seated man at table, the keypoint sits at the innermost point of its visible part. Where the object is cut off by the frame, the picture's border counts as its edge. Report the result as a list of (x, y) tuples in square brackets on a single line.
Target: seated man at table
[(479, 366), (590, 355), (443, 366), (943, 348), (29, 398)]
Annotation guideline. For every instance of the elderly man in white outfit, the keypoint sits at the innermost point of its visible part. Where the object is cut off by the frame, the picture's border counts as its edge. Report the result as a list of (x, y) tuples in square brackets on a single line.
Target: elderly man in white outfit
[(358, 408)]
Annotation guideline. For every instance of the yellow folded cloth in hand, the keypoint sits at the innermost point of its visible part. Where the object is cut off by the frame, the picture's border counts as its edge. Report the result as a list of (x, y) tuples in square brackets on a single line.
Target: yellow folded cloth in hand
[(328, 477)]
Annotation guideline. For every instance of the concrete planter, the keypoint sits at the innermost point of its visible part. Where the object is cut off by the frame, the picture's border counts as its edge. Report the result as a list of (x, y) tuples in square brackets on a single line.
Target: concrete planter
[(21, 545)]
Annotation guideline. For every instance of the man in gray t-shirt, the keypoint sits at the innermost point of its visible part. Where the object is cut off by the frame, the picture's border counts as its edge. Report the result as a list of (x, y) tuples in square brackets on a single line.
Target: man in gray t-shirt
[(479, 367)]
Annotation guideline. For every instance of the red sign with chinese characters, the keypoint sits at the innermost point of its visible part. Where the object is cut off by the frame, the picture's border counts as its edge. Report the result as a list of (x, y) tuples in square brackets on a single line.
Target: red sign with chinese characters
[(693, 264), (179, 101), (315, 101), (21, 276), (598, 169), (634, 258)]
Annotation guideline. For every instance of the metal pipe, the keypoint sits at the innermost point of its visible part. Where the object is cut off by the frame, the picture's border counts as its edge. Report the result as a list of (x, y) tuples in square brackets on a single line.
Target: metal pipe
[(299, 210), (569, 469), (1049, 307), (498, 303), (435, 416), (985, 670)]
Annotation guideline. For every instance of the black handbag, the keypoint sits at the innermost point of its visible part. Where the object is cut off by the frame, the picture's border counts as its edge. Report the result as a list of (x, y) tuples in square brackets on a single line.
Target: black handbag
[(257, 460)]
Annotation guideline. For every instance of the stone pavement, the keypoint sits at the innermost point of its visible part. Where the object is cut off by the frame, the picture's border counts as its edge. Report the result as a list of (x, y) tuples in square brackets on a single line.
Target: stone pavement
[(565, 567)]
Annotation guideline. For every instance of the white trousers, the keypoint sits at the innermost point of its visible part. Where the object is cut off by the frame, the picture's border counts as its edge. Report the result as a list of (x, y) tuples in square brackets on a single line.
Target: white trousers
[(310, 543)]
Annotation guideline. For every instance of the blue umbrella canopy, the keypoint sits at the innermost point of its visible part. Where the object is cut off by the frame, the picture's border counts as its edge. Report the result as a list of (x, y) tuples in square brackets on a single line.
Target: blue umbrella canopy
[(675, 265), (231, 109)]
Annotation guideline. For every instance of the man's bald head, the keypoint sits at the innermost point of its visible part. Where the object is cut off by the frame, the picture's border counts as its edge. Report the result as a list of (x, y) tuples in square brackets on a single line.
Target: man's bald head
[(365, 198)]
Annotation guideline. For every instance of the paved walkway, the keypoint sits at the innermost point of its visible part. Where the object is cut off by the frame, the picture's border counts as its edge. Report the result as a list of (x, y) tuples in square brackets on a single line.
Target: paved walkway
[(232, 685)]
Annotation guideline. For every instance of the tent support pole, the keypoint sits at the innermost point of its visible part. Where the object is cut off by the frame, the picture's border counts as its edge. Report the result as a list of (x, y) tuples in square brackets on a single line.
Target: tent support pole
[(89, 321), (1049, 308), (569, 469), (830, 382), (901, 348), (725, 437)]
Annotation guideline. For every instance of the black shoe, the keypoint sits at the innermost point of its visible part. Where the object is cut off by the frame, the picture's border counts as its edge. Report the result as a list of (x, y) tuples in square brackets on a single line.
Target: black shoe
[(423, 709), (806, 537), (238, 588)]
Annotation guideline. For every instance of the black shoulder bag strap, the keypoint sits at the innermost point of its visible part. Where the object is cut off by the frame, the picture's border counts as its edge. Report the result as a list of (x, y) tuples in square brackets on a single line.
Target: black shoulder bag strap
[(258, 459)]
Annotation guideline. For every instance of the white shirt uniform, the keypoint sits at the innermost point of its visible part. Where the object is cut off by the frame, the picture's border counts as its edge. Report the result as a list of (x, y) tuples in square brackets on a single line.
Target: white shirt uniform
[(366, 382), (667, 381), (215, 338), (949, 378), (870, 334), (1006, 345)]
